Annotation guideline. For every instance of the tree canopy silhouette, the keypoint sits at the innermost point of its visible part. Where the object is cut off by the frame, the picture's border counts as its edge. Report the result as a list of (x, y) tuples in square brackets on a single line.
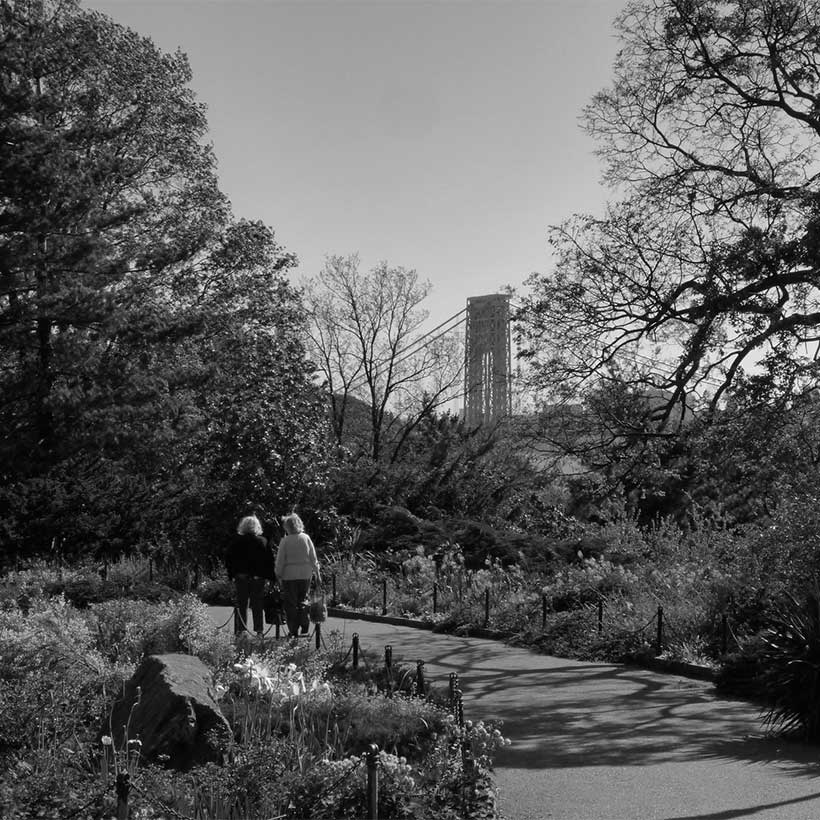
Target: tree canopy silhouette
[(709, 260)]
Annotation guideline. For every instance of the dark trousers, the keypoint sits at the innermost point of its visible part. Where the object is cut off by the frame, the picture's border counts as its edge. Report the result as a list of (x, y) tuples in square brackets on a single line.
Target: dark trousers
[(249, 588), (297, 605)]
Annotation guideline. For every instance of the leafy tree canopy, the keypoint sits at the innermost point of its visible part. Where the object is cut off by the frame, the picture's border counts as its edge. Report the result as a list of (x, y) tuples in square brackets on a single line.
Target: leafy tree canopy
[(150, 370)]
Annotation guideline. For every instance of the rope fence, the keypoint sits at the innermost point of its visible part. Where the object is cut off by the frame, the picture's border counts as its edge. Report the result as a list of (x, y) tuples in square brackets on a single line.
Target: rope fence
[(444, 597), (488, 613)]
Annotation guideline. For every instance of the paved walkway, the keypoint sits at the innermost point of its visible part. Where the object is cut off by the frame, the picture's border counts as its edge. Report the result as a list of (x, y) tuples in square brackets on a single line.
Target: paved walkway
[(595, 741)]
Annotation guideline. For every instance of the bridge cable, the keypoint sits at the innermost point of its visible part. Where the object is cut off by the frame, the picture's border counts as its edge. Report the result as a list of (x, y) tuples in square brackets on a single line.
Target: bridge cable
[(413, 348)]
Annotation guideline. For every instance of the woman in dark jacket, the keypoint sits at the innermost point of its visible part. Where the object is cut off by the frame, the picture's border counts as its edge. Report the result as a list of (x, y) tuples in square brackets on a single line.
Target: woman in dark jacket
[(250, 563)]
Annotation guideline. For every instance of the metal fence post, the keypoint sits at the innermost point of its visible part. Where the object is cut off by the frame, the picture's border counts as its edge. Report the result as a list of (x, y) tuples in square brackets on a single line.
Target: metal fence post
[(659, 636), (435, 598), (333, 595), (388, 657), (486, 607), (459, 708), (150, 569), (724, 633), (355, 650), (453, 687), (373, 782), (318, 631), (420, 688), (467, 762)]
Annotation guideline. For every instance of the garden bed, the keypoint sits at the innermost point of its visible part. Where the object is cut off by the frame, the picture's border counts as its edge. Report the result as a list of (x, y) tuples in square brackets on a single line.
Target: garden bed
[(302, 722)]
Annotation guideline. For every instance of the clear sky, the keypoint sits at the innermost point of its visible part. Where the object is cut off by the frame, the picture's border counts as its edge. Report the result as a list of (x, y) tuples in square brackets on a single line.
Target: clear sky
[(441, 136)]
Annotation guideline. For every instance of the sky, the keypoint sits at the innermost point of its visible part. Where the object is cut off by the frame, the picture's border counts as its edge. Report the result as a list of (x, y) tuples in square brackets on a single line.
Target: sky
[(439, 136)]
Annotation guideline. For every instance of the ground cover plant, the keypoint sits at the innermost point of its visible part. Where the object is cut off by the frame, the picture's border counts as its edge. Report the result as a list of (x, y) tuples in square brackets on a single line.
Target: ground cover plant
[(301, 720)]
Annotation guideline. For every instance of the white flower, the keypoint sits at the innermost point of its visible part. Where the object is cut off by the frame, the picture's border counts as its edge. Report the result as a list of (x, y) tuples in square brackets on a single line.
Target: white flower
[(320, 689), (265, 683), (297, 685), (107, 741)]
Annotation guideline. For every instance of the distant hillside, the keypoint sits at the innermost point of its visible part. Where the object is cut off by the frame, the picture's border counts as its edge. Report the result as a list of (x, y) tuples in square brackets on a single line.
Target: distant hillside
[(357, 430)]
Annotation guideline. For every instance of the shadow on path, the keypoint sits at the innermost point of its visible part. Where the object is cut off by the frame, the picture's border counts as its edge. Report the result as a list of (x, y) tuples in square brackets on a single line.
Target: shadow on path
[(598, 741), (564, 713), (749, 811)]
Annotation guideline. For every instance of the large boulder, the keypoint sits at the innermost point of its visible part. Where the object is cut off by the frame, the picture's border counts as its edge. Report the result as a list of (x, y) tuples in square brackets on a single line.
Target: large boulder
[(170, 706)]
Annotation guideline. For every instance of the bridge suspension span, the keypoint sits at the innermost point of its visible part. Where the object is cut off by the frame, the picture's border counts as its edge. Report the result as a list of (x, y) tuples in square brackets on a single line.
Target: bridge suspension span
[(488, 373)]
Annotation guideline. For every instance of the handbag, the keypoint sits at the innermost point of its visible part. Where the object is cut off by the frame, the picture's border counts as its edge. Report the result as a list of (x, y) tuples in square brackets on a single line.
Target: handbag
[(318, 609), (272, 604)]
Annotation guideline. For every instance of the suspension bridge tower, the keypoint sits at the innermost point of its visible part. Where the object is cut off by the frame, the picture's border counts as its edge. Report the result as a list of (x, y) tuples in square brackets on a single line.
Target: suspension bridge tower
[(487, 366)]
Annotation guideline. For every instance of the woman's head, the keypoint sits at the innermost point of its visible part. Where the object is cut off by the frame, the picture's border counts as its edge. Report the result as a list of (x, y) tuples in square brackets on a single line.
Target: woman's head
[(293, 524), (249, 525)]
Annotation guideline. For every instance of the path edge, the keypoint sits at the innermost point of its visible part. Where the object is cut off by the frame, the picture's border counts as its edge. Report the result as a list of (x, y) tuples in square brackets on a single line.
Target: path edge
[(688, 670)]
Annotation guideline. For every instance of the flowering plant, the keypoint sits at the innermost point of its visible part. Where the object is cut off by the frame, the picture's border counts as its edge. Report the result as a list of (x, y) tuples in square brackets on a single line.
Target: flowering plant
[(279, 683), (484, 739)]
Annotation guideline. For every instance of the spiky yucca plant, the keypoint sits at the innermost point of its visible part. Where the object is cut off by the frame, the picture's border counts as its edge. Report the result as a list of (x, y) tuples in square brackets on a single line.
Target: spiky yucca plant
[(790, 662)]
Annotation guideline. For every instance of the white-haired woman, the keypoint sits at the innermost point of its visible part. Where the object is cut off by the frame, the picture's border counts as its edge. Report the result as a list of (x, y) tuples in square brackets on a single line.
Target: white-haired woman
[(250, 563), (296, 564)]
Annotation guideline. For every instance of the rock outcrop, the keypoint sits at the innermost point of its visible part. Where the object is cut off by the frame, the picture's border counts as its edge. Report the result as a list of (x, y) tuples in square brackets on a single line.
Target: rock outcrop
[(170, 706)]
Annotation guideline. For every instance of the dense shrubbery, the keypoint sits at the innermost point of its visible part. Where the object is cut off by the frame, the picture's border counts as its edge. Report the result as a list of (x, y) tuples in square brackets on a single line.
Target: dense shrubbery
[(718, 588), (301, 720), (87, 583), (557, 608), (780, 667)]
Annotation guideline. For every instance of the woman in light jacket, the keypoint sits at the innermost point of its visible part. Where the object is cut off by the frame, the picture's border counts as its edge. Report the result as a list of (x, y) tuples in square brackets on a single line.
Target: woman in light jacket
[(296, 564)]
